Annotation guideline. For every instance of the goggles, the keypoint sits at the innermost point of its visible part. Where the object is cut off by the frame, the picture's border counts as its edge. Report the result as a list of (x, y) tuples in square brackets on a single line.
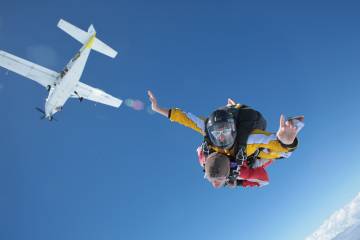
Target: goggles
[(218, 133), (223, 134)]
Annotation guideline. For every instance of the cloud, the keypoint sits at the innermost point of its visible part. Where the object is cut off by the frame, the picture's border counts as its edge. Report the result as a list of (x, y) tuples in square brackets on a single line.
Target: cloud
[(344, 224), (42, 55), (352, 233)]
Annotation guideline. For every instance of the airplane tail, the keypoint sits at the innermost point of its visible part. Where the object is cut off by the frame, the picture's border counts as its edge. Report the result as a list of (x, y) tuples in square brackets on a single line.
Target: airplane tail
[(84, 37)]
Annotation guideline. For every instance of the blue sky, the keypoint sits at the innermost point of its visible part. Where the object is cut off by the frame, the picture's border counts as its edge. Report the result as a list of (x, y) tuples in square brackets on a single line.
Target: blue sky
[(105, 173)]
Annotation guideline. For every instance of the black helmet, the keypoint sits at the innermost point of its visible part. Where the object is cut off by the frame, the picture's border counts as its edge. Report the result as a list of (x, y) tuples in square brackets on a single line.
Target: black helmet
[(221, 128)]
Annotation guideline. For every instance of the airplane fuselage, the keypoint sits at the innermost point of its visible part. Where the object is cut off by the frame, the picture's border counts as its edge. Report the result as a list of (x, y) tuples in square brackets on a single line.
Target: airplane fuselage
[(66, 83)]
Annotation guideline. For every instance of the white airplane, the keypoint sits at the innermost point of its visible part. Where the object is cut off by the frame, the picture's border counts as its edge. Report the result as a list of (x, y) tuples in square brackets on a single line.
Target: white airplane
[(65, 84)]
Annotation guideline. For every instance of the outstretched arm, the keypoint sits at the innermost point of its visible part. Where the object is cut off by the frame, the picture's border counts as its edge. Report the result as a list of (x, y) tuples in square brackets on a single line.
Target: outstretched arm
[(177, 115), (278, 145), (155, 107)]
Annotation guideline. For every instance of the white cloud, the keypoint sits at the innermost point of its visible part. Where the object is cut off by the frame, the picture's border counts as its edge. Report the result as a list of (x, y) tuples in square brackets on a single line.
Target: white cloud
[(352, 233), (42, 55), (344, 224)]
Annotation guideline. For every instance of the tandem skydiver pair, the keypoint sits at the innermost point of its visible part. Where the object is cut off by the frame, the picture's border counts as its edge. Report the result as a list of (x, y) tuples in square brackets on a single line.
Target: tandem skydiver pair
[(236, 148)]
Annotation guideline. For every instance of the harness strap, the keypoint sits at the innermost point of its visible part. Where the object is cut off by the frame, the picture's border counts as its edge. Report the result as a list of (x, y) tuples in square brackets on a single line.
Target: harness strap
[(205, 148), (241, 160), (240, 156)]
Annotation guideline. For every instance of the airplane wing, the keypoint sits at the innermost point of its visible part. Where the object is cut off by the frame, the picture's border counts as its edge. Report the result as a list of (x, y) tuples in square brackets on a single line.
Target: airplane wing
[(96, 95), (27, 69)]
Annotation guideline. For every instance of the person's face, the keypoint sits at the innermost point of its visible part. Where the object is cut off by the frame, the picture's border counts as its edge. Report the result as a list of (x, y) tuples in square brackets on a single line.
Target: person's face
[(223, 134), (217, 182)]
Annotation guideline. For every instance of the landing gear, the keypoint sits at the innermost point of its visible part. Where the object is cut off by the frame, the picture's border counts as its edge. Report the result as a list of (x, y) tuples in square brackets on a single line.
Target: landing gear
[(51, 118), (80, 98), (48, 88)]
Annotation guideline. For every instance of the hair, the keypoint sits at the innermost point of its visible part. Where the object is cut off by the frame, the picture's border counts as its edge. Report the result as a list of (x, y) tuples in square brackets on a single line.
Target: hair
[(217, 165)]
